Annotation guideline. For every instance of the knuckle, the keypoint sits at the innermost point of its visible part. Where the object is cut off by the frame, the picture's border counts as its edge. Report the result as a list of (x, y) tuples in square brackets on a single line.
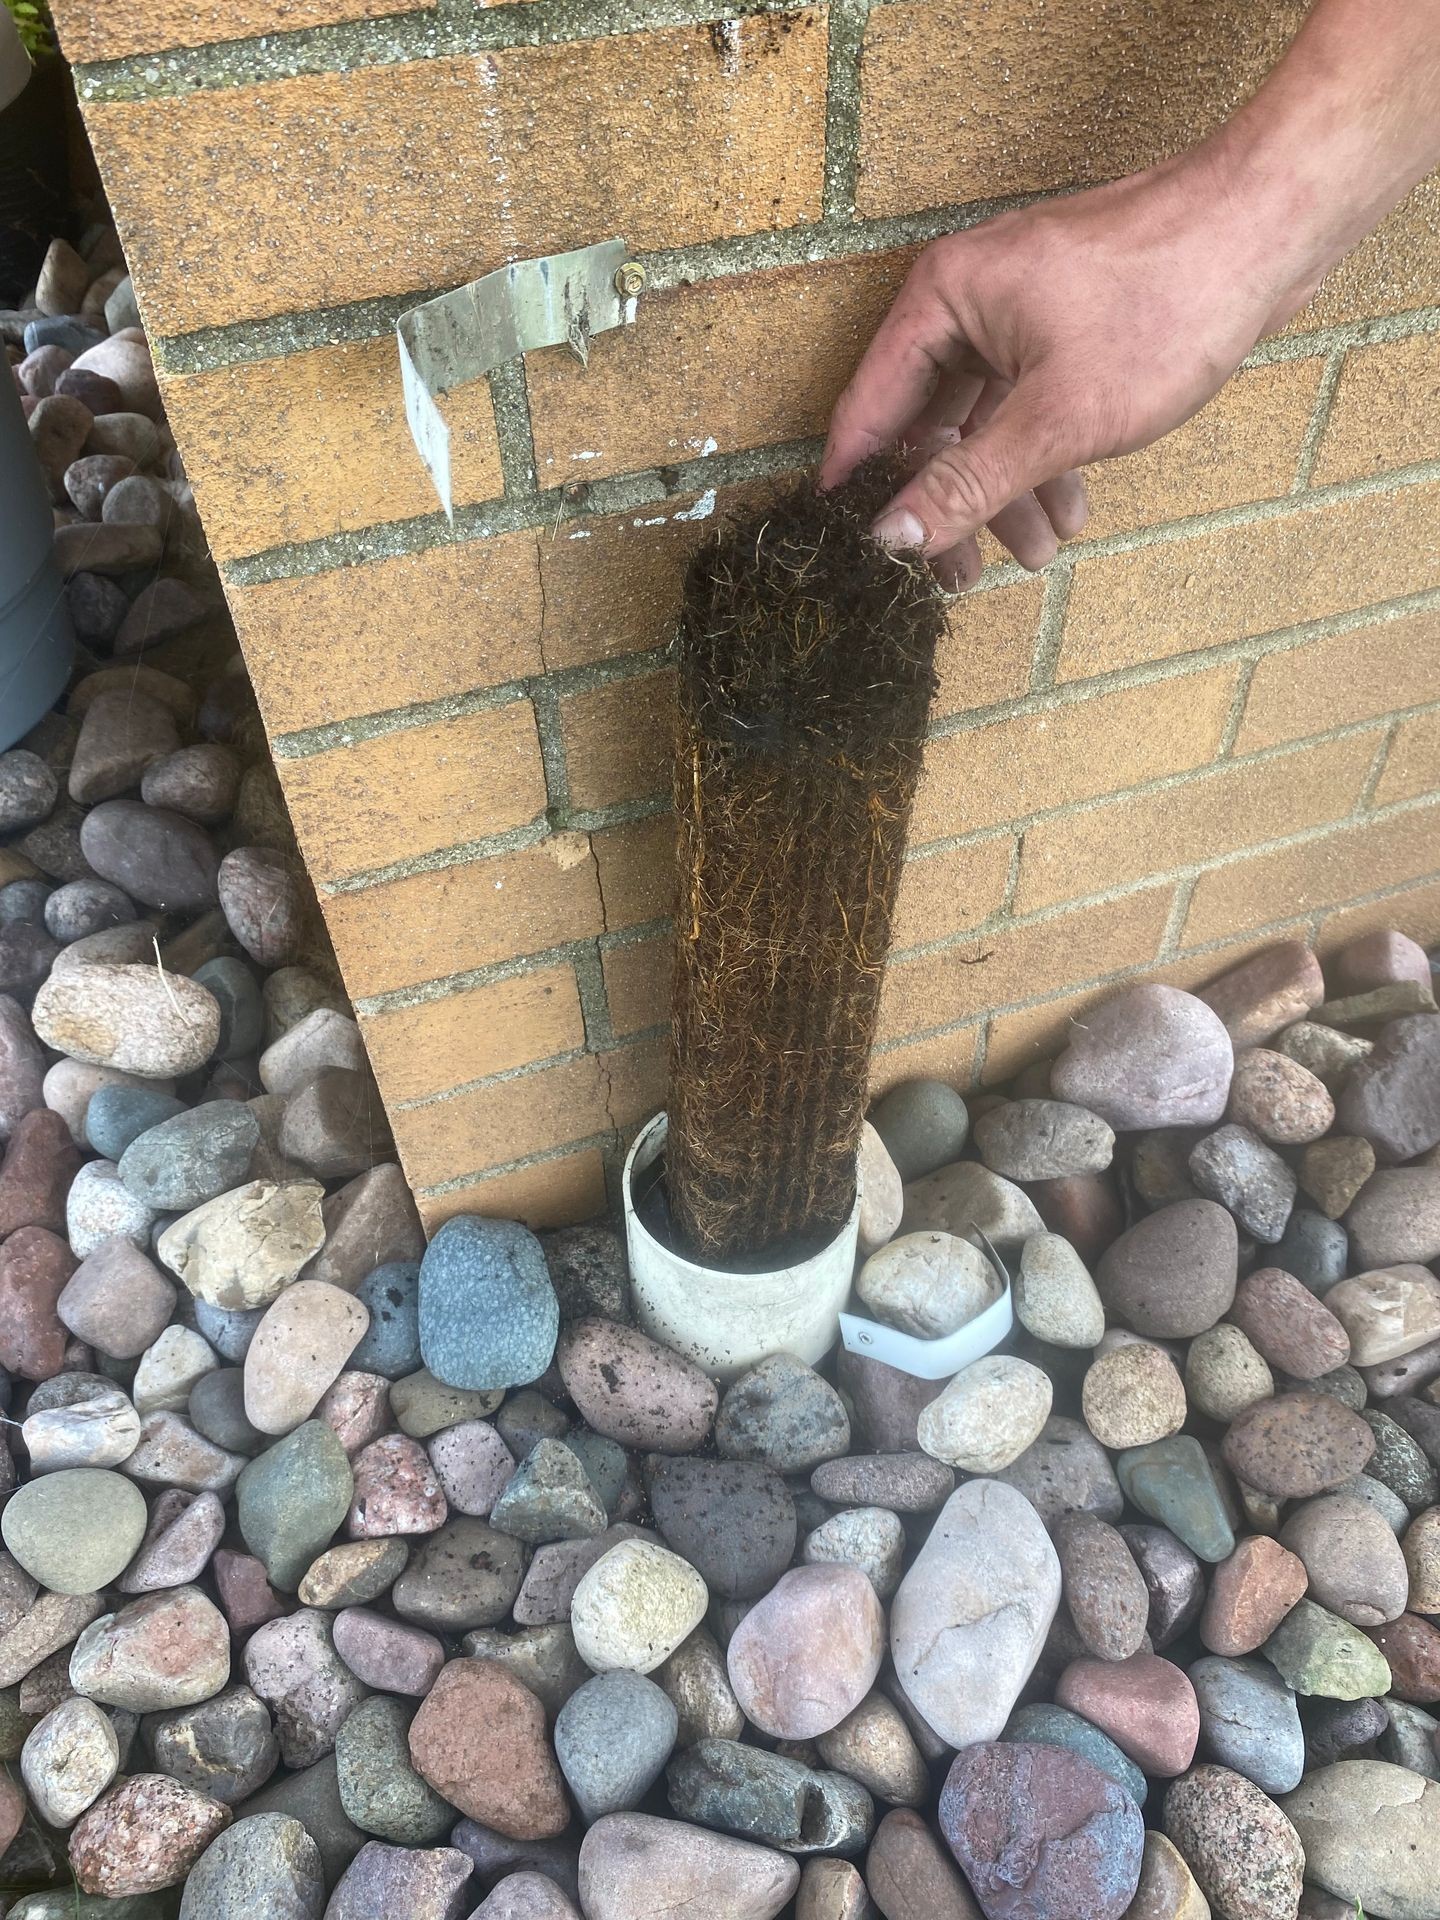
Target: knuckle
[(953, 491)]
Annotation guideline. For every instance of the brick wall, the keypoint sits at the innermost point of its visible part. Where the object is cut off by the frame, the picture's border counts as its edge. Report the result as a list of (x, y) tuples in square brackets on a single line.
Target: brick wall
[(1214, 719)]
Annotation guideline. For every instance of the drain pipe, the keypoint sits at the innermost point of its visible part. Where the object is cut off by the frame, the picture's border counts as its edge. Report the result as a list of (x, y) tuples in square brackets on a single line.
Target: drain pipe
[(37, 643)]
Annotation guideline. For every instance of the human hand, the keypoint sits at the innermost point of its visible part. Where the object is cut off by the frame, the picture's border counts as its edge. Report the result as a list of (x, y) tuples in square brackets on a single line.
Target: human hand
[(1069, 331)]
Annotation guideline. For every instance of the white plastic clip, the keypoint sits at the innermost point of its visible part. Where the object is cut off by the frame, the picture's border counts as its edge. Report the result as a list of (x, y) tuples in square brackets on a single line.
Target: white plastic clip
[(942, 1358)]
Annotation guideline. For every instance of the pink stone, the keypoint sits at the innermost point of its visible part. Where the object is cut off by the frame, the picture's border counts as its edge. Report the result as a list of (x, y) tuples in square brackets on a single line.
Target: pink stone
[(1271, 990), (1377, 959), (34, 1267), (808, 1653), (474, 1466), (246, 1595), (1145, 1704), (145, 1834), (357, 1410), (396, 1491), (388, 1654)]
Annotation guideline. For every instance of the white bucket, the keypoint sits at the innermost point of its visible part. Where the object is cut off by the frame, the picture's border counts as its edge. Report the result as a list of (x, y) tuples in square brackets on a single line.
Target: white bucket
[(728, 1322)]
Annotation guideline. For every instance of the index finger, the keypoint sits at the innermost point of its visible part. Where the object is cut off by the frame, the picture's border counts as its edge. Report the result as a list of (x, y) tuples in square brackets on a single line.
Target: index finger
[(914, 344)]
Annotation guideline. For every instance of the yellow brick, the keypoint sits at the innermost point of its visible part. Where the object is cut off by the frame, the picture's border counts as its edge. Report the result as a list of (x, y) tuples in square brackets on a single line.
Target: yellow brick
[(1217, 587), (1396, 269), (333, 187), (417, 790), (948, 890), (559, 1192), (1022, 962), (636, 866), (1328, 871), (988, 648), (1216, 811), (620, 740), (431, 925), (392, 633), (940, 1056), (637, 984), (109, 29), (464, 1036), (1077, 90), (1415, 910), (1360, 675), (1032, 762), (1243, 446), (1413, 764), (701, 369), (317, 443), (1384, 412)]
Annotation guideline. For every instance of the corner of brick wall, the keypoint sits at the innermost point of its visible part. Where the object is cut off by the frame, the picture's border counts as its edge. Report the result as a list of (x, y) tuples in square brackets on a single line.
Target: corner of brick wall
[(1212, 721)]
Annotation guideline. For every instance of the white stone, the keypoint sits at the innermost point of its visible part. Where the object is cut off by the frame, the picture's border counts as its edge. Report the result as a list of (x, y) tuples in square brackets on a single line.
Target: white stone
[(882, 1194), (635, 1606), (1055, 1297), (68, 1760), (969, 1199), (133, 1017), (98, 1432), (298, 1352), (927, 1284), (988, 1415), (169, 1368), (971, 1616), (241, 1248), (98, 1208)]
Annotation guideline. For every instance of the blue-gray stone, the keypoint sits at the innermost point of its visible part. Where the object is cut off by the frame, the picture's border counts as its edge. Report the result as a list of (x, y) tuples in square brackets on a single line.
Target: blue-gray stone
[(379, 1789), (22, 904), (191, 1158), (488, 1313), (1249, 1721), (242, 1011), (392, 1341), (115, 1116), (1400, 1463), (266, 1867), (1173, 1482), (495, 1854), (605, 1462), (612, 1737), (290, 1502), (1314, 1249), (1049, 1726), (217, 1409), (767, 1797), (548, 1497), (61, 330), (228, 1329)]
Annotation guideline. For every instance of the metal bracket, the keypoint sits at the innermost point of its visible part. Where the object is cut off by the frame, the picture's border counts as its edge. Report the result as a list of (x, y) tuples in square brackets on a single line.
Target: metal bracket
[(562, 299)]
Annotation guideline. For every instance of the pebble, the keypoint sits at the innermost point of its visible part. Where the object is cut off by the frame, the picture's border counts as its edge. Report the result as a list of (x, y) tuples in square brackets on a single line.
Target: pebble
[(987, 1416), (769, 1796), (1297, 1445), (184, 1531), (1399, 1463), (923, 1124), (379, 1789), (119, 1114), (1376, 960), (74, 1531), (874, 1746), (1173, 1482), (1268, 992), (1243, 1852), (145, 1834), (634, 1606), (473, 1465), (395, 1490), (1250, 1594), (28, 790), (1421, 1554), (1411, 1648), (35, 1268), (1066, 1470), (879, 1193), (1043, 1140), (240, 1249), (927, 1284), (263, 899), (1315, 1651), (245, 1594), (1371, 1835), (734, 1521), (1174, 1581), (391, 1343), (1144, 1703), (99, 1432), (292, 1499), (1387, 1313), (1224, 1374), (904, 1482), (68, 1760), (832, 1890), (549, 1497), (98, 1208), (1168, 1890), (967, 1200), (1279, 1099), (870, 1538), (1050, 1726), (461, 1576), (1235, 1167), (808, 1653), (225, 1747), (1173, 1274), (783, 1414), (1132, 1396), (911, 1876), (22, 1066), (1352, 1559), (386, 1654), (172, 1454), (479, 1740), (631, 1863), (1103, 1588), (1150, 1056), (885, 1404), (488, 1313), (1395, 1219), (298, 1351), (51, 1621), (972, 1613), (635, 1391), (1249, 1721), (159, 612), (1055, 1298), (238, 997), (324, 1038), (370, 1221), (423, 1405), (695, 1680), (168, 1369), (169, 1649), (130, 1017), (425, 1883), (216, 1409), (1335, 1729), (354, 1573), (612, 1739), (1039, 1831), (267, 1864), (1286, 1323), (1324, 1051), (121, 735), (1412, 1739), (191, 1158), (1332, 1172), (1390, 1099), (293, 1666)]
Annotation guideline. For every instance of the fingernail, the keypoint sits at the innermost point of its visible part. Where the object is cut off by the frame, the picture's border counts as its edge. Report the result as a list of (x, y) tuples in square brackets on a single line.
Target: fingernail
[(899, 528)]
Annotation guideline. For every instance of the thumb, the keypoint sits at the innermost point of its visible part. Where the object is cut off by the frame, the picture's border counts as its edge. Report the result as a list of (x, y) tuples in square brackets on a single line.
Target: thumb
[(965, 483)]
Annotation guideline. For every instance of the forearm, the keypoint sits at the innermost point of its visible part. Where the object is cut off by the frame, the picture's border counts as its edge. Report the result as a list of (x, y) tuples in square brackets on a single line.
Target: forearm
[(1345, 125)]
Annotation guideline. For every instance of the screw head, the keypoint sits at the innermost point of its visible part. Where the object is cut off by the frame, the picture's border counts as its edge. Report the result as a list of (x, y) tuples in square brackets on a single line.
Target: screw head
[(629, 279)]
